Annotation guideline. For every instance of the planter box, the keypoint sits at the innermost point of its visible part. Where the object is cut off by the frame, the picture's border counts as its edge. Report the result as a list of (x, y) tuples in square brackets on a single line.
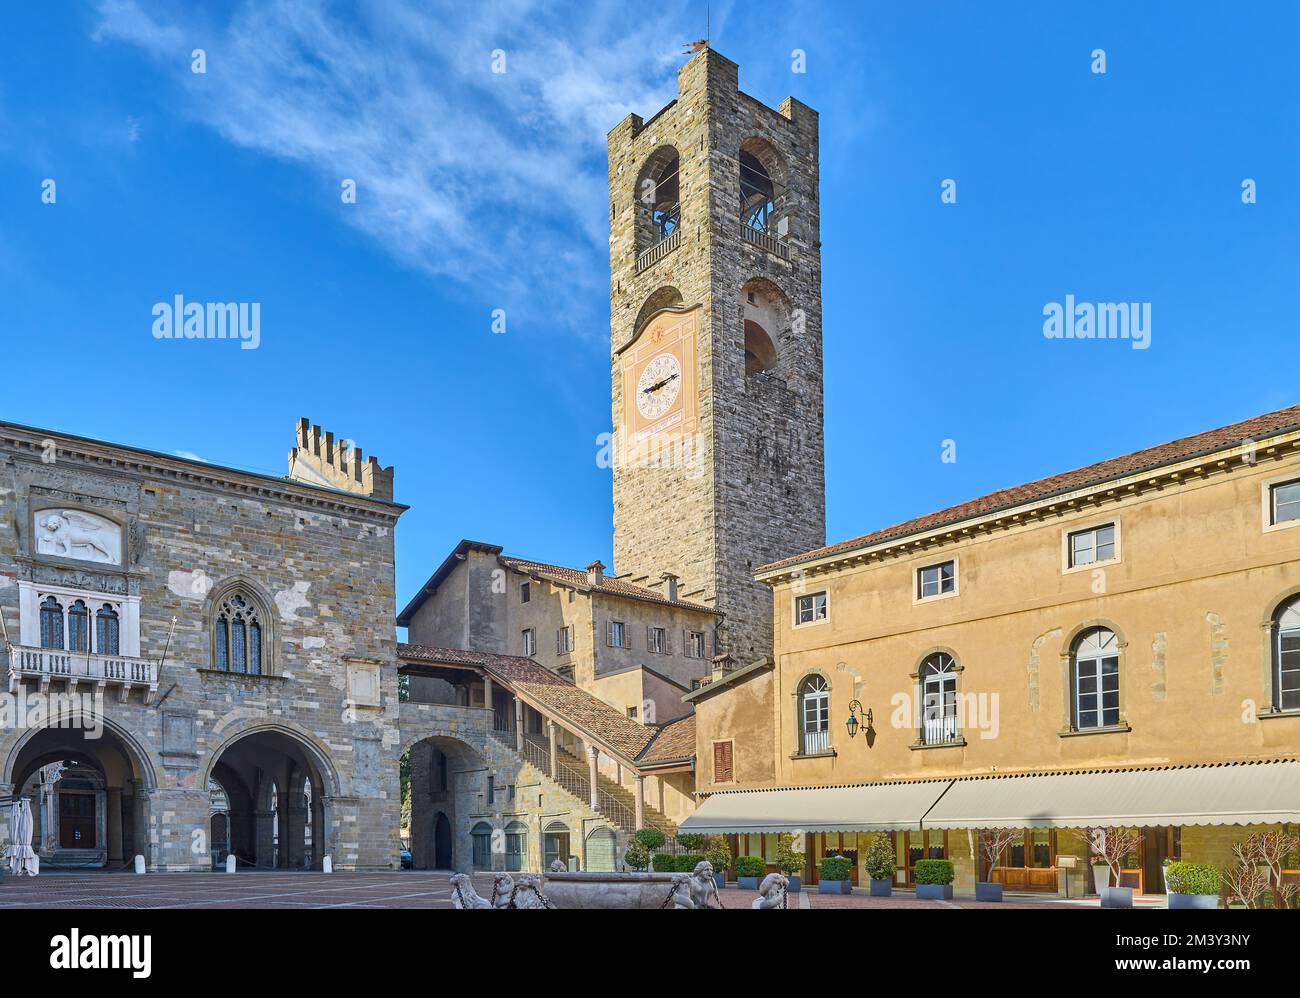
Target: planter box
[(881, 888), (835, 887), (747, 883), (720, 879), (1177, 900), (794, 885), (1117, 897), (934, 892), (988, 892)]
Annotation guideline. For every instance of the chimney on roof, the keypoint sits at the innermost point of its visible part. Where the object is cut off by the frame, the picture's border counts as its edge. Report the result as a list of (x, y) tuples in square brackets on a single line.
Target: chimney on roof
[(595, 573), (722, 665), (670, 587)]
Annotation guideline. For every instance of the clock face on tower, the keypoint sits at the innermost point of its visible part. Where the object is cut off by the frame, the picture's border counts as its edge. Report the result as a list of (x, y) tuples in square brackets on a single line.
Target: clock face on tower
[(658, 378), (658, 386)]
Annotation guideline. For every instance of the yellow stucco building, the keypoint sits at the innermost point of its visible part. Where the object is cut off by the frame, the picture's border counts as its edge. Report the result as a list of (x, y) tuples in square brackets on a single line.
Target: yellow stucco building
[(1115, 645)]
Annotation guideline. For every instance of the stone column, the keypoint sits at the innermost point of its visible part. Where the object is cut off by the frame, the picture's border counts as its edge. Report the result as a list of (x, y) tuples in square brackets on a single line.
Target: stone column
[(593, 755), (264, 845), (487, 698), (550, 733), (115, 825), (317, 828), (519, 726), (640, 802), (293, 829)]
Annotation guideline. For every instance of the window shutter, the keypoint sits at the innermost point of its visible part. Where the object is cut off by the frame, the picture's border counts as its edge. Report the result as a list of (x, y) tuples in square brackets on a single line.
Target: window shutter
[(722, 762), (609, 633)]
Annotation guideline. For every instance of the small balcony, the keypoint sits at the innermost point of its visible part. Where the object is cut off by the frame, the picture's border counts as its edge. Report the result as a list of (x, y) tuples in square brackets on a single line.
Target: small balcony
[(765, 241), (649, 257), (75, 667)]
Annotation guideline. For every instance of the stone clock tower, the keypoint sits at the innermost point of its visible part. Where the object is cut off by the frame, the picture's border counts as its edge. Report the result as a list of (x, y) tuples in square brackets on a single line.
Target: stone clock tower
[(715, 292)]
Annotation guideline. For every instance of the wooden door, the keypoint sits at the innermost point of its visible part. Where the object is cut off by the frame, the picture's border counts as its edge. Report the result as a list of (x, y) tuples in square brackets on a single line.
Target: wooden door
[(76, 820)]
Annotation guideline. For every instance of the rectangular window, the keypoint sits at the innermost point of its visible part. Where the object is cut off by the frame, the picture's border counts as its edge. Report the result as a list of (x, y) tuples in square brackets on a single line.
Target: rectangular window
[(563, 641), (936, 580), (1092, 545), (525, 592), (655, 640), (1097, 701), (631, 713), (1286, 501), (617, 634), (530, 642), (695, 644), (491, 789), (811, 608), (722, 769)]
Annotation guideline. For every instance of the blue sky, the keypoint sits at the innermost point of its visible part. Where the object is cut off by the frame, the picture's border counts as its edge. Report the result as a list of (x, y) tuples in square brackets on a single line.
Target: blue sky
[(481, 191)]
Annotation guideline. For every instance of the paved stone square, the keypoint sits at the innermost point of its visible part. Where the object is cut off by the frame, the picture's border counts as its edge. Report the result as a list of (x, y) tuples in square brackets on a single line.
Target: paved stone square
[(408, 889)]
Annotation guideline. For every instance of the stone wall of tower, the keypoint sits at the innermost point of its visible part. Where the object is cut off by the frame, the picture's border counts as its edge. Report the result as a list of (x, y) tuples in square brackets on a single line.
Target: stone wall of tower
[(757, 493)]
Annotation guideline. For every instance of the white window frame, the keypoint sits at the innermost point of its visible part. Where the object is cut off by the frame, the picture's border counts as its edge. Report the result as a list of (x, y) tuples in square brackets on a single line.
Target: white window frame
[(622, 634), (939, 723), (1094, 661), (1268, 501), (564, 640), (814, 619), (817, 703), (656, 640), (1067, 546), (956, 580), (1284, 624), (530, 642), (32, 594), (694, 638)]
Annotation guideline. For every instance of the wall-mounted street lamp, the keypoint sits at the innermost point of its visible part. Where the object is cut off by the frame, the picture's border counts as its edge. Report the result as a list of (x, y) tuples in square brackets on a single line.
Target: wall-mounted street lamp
[(858, 718)]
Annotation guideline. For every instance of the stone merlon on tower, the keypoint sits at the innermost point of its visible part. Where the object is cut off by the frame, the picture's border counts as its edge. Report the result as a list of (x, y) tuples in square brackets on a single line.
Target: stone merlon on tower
[(318, 460)]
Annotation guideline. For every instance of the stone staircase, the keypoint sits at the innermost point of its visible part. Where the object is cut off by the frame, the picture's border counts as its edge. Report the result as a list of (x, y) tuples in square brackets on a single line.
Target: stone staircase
[(617, 802)]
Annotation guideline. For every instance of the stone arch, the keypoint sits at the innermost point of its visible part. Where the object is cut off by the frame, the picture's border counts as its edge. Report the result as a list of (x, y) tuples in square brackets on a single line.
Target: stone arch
[(447, 784), (148, 764), (936, 650), (764, 179), (657, 197), (659, 300), (766, 322), (295, 732)]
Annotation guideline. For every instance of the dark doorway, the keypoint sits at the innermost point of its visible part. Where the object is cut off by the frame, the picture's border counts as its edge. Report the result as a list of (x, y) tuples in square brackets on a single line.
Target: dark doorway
[(442, 843), (76, 820)]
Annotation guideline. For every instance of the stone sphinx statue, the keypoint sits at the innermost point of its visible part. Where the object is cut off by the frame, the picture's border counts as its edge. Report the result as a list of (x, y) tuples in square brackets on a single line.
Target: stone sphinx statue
[(703, 886), (463, 894), (503, 888), (771, 892), (527, 893), (680, 897)]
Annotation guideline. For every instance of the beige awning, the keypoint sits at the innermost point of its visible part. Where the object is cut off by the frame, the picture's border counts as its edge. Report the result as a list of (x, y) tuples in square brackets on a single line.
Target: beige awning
[(879, 807), (1230, 794)]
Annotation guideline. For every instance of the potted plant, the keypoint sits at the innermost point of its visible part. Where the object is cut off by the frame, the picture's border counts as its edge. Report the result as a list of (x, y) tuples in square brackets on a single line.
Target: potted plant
[(1192, 885), (749, 871), (789, 861), (718, 852), (881, 866), (1113, 845), (993, 843), (834, 875), (651, 839), (934, 879), (637, 855)]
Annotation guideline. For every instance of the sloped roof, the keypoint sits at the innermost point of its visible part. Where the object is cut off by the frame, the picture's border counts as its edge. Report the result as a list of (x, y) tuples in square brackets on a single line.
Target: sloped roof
[(566, 700), (1234, 434), (608, 585), (673, 742)]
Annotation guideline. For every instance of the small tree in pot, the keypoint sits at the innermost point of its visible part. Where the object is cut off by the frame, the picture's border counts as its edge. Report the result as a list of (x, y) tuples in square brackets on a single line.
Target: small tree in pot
[(881, 865), (718, 852), (934, 879), (789, 861), (1192, 885), (993, 843), (834, 875), (1113, 846), (637, 855), (749, 871), (651, 839)]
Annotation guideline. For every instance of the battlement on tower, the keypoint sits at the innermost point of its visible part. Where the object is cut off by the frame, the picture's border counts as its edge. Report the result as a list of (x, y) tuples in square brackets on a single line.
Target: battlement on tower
[(319, 459)]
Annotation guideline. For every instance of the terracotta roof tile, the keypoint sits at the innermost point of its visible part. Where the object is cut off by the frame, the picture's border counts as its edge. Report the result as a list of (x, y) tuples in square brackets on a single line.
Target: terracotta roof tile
[(672, 742), (607, 585), (1219, 439)]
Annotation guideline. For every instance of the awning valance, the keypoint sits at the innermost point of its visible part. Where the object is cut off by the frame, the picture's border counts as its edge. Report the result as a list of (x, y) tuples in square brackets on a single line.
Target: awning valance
[(879, 807), (1227, 794), (1234, 794)]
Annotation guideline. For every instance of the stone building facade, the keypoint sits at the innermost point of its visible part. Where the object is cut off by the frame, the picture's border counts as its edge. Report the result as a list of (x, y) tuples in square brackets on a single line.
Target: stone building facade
[(715, 292), (191, 626)]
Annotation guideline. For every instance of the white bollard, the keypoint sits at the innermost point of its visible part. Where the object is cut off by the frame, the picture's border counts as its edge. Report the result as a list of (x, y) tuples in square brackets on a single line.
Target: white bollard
[(230, 863), (327, 865), (139, 865)]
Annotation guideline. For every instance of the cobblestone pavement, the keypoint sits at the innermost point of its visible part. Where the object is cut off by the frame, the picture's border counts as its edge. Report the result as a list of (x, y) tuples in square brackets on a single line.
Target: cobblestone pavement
[(409, 889)]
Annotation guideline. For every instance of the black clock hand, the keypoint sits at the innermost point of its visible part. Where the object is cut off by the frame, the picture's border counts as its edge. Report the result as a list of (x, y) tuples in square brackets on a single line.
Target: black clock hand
[(656, 387)]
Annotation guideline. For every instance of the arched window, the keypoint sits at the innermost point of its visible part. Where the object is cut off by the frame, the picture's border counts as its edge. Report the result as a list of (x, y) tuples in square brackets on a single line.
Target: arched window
[(481, 837), (51, 623), (757, 192), (238, 628), (107, 630), (516, 846), (1094, 668), (78, 626), (1286, 656), (658, 198), (938, 676), (815, 715), (765, 314)]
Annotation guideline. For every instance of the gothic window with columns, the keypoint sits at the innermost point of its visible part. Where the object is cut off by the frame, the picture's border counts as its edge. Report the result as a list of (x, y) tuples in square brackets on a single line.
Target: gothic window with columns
[(51, 623), (239, 628)]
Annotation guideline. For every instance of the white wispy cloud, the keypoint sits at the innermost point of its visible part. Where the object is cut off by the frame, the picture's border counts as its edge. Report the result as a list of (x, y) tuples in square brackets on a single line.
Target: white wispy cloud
[(497, 181)]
